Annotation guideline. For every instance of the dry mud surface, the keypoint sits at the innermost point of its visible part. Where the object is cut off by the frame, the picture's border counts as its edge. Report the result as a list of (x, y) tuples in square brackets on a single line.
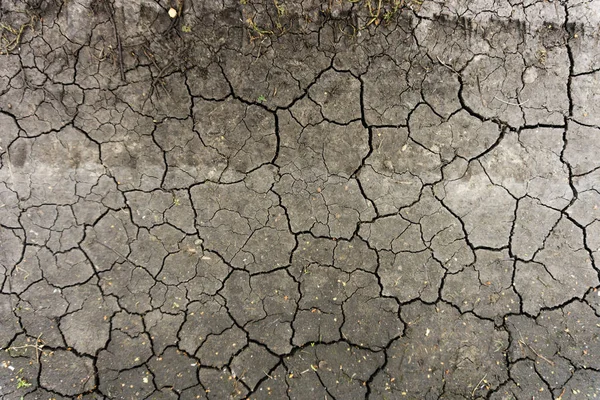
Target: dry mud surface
[(300, 199)]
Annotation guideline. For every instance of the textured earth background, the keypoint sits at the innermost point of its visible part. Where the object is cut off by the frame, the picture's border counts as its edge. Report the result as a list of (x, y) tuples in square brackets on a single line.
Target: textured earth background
[(300, 199)]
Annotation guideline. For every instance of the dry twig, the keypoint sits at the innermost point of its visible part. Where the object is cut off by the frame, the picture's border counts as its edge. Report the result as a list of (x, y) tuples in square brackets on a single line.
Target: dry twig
[(111, 15), (37, 346)]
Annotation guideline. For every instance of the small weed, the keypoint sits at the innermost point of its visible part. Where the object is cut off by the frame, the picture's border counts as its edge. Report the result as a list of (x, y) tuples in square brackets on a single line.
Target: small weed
[(279, 27), (186, 28), (387, 17), (374, 14), (261, 99), (396, 5), (280, 8), (22, 383), (281, 11), (257, 32)]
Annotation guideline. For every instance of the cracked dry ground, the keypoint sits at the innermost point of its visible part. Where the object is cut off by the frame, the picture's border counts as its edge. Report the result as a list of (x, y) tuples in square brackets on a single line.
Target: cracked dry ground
[(408, 212)]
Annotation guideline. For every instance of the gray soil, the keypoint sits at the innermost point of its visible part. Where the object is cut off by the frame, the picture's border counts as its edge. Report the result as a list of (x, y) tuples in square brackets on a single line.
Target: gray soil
[(299, 199)]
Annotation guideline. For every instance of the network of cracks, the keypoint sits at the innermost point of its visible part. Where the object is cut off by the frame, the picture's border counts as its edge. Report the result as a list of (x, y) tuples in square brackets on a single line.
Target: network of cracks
[(349, 207)]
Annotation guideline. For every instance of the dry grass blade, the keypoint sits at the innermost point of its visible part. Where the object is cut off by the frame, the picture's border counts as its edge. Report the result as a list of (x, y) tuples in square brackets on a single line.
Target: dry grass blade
[(13, 40)]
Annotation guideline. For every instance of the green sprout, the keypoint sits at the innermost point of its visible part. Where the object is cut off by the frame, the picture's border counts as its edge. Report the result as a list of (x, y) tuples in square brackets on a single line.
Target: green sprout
[(22, 383)]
